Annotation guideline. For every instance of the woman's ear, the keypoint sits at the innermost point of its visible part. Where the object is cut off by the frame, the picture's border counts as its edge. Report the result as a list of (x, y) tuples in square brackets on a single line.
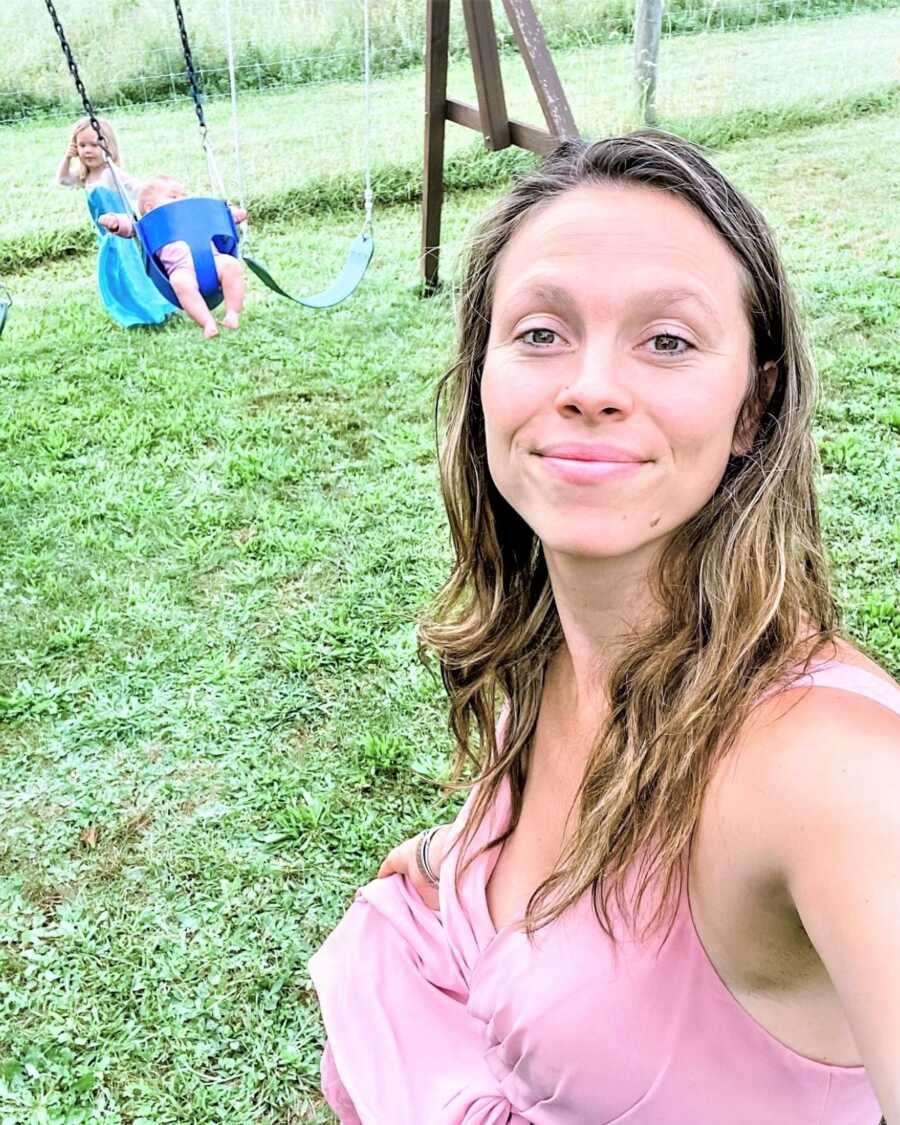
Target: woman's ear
[(753, 410)]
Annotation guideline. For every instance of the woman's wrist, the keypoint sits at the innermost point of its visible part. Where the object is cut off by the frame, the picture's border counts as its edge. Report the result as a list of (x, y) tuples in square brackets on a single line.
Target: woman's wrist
[(428, 869)]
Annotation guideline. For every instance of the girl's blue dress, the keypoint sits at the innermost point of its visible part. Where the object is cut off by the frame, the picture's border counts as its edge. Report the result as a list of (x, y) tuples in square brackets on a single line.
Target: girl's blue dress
[(129, 295)]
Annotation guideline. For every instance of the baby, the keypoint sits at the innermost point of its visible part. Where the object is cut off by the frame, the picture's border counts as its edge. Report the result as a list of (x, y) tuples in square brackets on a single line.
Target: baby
[(178, 263)]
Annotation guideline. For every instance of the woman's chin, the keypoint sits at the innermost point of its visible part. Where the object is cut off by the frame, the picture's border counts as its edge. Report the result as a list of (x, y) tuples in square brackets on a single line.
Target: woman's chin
[(597, 543)]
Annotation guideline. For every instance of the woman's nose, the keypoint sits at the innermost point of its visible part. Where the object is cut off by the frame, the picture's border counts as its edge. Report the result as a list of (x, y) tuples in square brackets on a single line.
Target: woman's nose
[(599, 385)]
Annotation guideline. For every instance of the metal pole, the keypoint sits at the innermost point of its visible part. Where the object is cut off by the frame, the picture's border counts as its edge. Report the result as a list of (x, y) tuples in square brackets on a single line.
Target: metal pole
[(647, 30)]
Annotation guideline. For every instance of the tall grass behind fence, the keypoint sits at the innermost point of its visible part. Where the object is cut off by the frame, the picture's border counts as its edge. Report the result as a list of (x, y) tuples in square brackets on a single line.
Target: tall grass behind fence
[(285, 43), (303, 147)]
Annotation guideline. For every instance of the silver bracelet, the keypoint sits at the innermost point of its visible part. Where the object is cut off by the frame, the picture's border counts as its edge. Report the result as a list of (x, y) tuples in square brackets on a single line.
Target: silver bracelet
[(422, 863)]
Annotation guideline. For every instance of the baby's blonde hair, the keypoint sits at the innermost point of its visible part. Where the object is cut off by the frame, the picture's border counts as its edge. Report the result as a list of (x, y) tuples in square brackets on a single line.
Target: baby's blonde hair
[(151, 186), (107, 133)]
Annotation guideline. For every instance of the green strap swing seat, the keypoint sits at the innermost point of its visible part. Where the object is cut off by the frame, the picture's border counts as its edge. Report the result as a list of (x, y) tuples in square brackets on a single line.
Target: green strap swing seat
[(358, 258)]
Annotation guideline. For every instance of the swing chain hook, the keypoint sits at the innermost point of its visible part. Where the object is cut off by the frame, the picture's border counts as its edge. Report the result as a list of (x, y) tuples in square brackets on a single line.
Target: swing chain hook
[(79, 85), (191, 72)]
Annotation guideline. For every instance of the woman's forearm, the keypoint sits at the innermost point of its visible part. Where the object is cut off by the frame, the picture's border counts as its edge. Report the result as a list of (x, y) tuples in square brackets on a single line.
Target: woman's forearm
[(437, 847)]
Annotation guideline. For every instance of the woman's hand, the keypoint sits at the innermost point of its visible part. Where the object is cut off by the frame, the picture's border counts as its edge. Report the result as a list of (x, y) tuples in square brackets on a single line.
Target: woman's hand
[(402, 861)]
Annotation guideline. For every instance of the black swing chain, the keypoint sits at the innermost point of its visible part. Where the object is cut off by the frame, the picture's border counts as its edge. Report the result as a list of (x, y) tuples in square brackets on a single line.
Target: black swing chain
[(79, 85), (189, 64)]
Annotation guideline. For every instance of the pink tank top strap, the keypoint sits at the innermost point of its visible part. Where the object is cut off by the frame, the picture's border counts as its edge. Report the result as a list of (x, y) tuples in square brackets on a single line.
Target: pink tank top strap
[(848, 677)]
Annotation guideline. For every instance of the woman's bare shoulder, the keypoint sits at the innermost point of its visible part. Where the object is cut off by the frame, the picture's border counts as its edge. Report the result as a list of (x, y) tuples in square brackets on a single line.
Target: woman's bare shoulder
[(805, 748), (802, 725), (803, 705)]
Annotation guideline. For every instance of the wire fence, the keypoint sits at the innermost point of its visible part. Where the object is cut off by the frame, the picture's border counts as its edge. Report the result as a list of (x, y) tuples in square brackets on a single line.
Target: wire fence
[(303, 143), (132, 59)]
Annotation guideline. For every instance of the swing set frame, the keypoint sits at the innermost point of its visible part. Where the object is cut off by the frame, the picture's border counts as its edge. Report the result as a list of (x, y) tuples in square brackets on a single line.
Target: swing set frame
[(490, 117)]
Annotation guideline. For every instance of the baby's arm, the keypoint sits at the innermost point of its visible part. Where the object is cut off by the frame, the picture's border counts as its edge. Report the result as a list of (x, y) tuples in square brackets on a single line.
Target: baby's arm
[(64, 171), (117, 223)]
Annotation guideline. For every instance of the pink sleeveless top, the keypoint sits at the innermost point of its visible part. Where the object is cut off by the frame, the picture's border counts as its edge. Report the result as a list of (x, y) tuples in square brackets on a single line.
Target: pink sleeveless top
[(439, 1019)]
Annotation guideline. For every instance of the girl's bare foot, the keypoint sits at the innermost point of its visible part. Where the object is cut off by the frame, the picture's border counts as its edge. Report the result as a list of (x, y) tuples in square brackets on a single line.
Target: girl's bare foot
[(210, 330), (230, 320)]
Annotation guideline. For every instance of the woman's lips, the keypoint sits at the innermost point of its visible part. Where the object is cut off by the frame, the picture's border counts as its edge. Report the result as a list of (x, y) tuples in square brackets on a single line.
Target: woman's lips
[(588, 472)]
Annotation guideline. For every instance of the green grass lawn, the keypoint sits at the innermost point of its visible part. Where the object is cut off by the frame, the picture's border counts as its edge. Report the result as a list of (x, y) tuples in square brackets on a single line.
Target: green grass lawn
[(214, 556)]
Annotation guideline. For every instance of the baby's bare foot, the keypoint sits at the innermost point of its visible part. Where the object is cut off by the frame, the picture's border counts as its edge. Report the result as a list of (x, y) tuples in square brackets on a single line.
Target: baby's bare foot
[(230, 320), (210, 330)]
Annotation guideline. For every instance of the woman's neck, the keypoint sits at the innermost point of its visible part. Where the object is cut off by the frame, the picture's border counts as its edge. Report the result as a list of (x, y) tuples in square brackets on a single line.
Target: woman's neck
[(602, 604)]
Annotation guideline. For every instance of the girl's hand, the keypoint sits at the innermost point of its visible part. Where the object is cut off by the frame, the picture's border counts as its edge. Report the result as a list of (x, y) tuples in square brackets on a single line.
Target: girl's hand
[(71, 151), (402, 861)]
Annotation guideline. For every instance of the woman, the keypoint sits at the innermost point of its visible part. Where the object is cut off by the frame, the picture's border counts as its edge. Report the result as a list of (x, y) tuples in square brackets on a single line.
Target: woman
[(672, 895)]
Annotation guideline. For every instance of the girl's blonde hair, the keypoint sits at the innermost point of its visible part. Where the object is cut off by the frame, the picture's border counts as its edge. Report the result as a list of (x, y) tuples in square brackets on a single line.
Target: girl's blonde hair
[(740, 582), (107, 133)]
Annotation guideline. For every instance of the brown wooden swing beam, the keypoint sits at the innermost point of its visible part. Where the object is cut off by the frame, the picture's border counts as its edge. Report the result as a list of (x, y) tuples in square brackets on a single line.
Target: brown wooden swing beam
[(490, 117)]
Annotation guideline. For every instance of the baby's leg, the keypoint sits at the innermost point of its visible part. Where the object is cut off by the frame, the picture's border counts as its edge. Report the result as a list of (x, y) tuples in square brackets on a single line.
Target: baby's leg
[(231, 275), (184, 282)]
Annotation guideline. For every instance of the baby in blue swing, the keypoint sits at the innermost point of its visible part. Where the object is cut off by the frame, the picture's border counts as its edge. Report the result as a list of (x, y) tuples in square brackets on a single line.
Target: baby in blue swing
[(178, 263)]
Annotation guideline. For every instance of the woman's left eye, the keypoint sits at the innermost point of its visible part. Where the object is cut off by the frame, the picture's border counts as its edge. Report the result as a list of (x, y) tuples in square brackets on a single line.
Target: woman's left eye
[(540, 337), (667, 343)]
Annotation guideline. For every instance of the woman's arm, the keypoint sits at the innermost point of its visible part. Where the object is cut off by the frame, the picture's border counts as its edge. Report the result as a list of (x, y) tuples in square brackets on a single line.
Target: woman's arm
[(402, 861), (834, 786)]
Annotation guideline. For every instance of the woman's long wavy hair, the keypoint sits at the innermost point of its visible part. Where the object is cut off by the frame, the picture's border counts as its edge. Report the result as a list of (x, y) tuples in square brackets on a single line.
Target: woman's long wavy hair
[(742, 584)]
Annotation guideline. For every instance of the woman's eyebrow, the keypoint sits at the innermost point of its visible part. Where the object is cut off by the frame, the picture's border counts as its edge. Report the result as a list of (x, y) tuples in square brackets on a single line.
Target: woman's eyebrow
[(545, 292), (663, 297)]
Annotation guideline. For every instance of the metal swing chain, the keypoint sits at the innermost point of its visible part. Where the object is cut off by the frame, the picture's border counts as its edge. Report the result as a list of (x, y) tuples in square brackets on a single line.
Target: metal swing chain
[(212, 166), (79, 85), (86, 104), (189, 65), (369, 195)]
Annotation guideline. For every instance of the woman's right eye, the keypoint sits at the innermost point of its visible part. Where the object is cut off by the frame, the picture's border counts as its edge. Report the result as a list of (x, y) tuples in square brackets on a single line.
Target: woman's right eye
[(540, 337)]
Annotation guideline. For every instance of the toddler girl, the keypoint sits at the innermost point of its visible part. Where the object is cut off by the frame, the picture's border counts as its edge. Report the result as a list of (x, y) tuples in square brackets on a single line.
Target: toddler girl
[(129, 296), (177, 261), (91, 169)]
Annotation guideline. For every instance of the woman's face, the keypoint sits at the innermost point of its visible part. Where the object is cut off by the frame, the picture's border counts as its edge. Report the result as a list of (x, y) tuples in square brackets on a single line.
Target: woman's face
[(617, 363), (88, 146)]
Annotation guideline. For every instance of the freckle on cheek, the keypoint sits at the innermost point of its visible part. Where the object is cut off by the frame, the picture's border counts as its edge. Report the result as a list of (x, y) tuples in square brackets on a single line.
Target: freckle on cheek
[(653, 523)]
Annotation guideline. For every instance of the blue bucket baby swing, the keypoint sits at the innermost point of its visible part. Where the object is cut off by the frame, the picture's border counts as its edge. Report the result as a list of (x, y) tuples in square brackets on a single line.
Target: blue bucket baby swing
[(203, 221)]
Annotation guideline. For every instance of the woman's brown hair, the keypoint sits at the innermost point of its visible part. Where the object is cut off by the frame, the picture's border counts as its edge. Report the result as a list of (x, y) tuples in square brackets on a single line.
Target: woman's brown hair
[(740, 583)]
